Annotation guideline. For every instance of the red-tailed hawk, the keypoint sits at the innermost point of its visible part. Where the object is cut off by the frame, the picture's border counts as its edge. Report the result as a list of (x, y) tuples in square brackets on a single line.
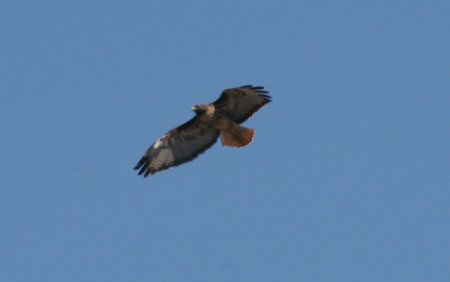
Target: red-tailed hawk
[(222, 117)]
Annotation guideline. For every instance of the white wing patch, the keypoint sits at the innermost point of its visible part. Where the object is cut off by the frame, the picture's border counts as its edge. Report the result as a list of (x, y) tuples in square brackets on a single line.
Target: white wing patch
[(158, 143)]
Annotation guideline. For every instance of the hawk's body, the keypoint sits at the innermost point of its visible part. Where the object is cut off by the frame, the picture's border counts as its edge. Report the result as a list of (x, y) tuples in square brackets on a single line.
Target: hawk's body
[(192, 138)]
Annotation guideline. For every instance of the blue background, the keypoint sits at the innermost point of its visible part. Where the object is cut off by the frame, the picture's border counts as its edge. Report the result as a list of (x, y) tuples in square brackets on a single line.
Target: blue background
[(347, 178)]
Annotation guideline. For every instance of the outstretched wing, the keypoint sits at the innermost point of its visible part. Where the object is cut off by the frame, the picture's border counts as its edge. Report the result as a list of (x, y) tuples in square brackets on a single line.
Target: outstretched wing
[(242, 102), (178, 146)]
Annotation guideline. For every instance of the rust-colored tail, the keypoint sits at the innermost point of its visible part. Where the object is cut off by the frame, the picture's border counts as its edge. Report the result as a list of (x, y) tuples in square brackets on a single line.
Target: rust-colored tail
[(238, 136)]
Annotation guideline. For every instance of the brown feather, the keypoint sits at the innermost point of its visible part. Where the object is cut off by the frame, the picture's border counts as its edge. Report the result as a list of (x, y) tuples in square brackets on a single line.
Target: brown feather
[(242, 102), (238, 136)]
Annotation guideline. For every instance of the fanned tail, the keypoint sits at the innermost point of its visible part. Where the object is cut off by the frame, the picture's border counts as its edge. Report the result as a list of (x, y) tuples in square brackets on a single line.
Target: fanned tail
[(238, 136)]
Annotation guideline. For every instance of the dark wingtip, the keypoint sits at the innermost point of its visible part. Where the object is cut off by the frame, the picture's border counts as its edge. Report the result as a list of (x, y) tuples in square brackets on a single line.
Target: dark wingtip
[(263, 93), (142, 166), (259, 89), (142, 170), (267, 97), (141, 162)]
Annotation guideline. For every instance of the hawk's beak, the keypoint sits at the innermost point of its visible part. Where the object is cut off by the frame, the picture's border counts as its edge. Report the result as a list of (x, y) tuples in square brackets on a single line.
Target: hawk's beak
[(199, 109)]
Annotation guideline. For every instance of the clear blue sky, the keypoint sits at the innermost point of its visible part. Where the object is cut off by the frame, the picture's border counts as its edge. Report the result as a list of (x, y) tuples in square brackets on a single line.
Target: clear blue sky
[(348, 178)]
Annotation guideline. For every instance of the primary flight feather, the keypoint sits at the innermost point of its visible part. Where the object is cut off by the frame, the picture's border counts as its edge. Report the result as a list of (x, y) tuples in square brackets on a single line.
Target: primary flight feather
[(222, 117)]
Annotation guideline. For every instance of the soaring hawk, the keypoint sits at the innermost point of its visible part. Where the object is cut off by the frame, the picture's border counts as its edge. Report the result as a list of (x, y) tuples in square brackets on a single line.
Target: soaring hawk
[(222, 117)]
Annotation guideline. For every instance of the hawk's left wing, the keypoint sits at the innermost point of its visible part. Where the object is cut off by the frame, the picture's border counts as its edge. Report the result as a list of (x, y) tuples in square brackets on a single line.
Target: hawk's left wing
[(178, 146)]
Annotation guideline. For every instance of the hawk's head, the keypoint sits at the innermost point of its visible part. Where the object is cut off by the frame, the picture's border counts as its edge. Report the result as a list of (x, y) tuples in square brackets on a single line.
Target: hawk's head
[(200, 109)]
